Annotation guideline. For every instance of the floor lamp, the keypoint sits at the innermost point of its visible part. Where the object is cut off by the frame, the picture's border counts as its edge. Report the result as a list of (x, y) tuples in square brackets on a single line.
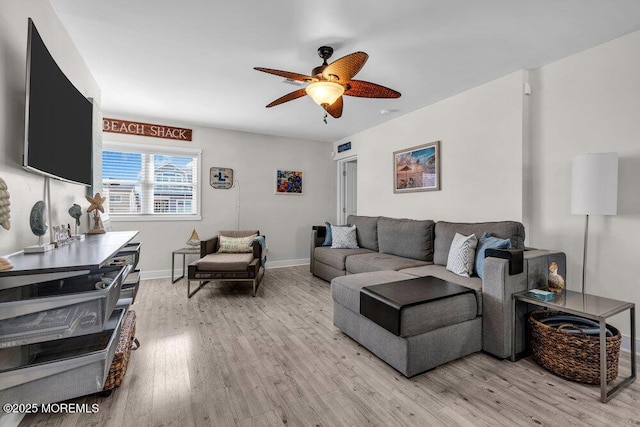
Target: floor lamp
[(594, 191)]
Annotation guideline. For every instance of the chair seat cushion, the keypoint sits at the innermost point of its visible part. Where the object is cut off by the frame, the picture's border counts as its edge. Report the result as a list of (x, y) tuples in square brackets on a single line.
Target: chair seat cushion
[(224, 262)]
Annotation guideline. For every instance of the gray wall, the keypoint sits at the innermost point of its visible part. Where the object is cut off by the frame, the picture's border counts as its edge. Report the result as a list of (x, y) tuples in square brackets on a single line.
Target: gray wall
[(27, 188), (285, 220)]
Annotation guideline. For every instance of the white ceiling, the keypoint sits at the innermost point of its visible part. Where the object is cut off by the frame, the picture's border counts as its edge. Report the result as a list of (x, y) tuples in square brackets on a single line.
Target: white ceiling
[(191, 61)]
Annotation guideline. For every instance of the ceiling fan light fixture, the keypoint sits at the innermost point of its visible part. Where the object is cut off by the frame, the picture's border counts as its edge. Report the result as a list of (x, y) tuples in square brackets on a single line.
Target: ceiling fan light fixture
[(325, 93)]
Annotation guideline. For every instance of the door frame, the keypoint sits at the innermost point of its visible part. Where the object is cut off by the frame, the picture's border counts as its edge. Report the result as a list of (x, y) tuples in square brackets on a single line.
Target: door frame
[(341, 216)]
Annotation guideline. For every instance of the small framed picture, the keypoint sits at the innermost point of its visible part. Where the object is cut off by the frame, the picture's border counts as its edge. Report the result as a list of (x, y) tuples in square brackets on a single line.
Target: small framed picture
[(289, 182), (221, 178), (417, 168)]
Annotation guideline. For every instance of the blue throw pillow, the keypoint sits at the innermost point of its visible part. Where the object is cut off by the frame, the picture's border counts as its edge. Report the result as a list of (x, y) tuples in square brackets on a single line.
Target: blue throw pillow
[(488, 241), (327, 236)]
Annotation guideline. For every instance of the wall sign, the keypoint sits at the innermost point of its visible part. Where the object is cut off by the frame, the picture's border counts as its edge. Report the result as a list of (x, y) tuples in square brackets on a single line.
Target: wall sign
[(145, 129), (221, 178), (344, 147)]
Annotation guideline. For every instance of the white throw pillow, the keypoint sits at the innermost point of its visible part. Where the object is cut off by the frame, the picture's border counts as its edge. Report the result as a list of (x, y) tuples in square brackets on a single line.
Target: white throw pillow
[(344, 237), (462, 254), (236, 245)]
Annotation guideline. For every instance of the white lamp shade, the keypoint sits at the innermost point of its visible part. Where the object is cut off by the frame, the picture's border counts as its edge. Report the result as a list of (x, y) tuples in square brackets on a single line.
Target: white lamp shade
[(325, 93), (594, 185)]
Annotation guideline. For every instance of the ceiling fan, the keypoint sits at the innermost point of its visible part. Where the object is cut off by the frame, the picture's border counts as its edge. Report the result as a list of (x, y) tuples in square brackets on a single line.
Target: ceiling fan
[(328, 82)]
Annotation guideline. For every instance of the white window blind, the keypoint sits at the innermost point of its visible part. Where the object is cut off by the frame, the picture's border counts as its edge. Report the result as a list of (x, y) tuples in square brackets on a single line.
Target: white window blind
[(150, 181)]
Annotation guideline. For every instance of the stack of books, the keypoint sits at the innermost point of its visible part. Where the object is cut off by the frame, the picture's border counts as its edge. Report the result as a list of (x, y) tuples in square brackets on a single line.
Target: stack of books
[(541, 294)]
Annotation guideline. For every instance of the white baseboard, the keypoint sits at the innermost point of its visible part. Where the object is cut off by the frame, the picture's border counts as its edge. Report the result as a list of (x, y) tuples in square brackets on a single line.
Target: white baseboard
[(163, 274), (287, 263), (626, 344)]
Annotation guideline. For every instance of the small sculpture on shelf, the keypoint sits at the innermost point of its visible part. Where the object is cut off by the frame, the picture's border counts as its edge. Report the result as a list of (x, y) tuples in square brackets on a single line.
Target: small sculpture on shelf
[(555, 281), (4, 205), (5, 264), (194, 239), (96, 207), (39, 227), (76, 212)]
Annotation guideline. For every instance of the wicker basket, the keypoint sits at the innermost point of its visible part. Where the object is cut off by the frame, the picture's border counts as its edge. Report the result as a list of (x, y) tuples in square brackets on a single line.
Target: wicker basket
[(572, 356), (126, 343)]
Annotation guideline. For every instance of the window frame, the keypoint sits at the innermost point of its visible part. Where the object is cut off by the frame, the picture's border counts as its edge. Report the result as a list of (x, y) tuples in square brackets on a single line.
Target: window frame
[(161, 150)]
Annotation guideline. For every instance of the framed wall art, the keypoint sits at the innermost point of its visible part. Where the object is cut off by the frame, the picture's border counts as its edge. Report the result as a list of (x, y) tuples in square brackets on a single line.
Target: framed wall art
[(221, 178), (289, 182), (417, 168)]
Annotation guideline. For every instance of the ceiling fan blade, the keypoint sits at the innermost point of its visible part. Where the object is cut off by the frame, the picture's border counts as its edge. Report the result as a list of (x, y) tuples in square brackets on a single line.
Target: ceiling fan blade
[(288, 97), (345, 68), (335, 109), (286, 74), (364, 89)]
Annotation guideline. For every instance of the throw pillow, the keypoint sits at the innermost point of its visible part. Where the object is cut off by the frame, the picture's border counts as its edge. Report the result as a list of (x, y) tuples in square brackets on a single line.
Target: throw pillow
[(344, 237), (235, 245), (488, 241), (327, 235), (461, 254)]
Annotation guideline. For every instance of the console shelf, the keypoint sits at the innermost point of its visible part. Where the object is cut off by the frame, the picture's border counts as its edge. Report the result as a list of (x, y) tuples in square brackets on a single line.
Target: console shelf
[(60, 318)]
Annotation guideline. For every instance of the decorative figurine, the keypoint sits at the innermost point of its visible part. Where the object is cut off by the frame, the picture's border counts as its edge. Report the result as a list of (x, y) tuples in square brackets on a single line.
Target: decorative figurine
[(555, 281), (37, 220), (76, 212), (194, 239), (39, 227), (4, 205), (96, 207)]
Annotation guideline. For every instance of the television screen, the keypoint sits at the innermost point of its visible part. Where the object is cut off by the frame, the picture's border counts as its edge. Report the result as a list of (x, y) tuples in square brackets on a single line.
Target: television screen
[(58, 130)]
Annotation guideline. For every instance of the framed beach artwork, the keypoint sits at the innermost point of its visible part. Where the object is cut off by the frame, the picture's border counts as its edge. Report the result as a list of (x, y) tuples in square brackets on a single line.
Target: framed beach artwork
[(417, 168), (288, 182)]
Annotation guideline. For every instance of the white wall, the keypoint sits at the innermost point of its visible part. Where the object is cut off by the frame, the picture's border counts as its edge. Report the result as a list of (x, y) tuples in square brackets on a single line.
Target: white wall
[(589, 103), (285, 220), (26, 188), (481, 134)]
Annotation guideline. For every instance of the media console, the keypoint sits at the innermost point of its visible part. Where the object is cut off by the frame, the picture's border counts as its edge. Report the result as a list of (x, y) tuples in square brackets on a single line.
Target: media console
[(60, 317)]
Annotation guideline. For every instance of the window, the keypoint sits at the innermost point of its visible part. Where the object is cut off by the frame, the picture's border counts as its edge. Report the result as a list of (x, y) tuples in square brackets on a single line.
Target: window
[(151, 182)]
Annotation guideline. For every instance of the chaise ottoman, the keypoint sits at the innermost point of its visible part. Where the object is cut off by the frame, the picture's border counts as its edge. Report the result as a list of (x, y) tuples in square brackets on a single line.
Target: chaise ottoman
[(429, 334)]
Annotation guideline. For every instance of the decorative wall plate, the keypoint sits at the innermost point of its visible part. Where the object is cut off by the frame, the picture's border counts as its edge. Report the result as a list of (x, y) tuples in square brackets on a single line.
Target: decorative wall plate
[(221, 178)]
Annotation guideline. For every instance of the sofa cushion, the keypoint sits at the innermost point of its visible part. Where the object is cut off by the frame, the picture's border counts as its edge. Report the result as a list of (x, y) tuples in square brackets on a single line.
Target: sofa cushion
[(224, 262), (327, 235), (441, 272), (487, 241), (376, 261), (344, 237), (462, 254), (414, 319), (446, 230), (407, 238), (366, 230), (336, 257), (345, 290)]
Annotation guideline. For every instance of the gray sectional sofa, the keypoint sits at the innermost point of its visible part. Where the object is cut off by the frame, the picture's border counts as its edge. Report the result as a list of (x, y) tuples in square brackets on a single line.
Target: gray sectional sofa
[(393, 250)]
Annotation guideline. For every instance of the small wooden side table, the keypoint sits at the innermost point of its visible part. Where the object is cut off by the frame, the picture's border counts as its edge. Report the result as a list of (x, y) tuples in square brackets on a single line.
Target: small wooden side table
[(591, 307), (184, 252)]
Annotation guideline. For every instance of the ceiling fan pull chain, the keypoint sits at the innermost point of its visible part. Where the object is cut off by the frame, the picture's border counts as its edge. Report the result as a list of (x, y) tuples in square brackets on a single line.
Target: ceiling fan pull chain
[(324, 119)]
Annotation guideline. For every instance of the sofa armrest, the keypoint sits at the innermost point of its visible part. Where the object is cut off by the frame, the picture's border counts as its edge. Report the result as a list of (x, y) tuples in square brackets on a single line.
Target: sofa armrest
[(318, 233), (514, 256), (208, 246), (498, 286)]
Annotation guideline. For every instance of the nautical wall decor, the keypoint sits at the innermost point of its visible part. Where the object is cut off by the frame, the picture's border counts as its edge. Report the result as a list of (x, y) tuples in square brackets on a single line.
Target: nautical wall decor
[(5, 211), (221, 178)]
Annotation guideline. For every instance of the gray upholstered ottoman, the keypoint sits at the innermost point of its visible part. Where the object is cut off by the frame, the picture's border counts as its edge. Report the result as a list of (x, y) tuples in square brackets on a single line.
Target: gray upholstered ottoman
[(432, 333)]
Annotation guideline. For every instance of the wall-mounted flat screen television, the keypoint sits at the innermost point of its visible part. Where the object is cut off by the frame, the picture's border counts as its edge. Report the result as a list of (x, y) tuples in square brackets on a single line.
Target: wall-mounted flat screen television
[(59, 119)]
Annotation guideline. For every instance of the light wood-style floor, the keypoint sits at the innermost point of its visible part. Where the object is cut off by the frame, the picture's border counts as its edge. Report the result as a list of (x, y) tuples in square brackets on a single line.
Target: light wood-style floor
[(224, 358)]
